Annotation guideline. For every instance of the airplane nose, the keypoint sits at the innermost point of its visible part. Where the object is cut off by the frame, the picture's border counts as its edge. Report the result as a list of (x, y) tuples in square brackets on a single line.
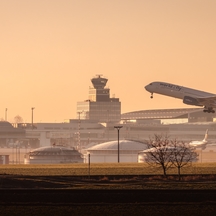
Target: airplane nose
[(147, 87)]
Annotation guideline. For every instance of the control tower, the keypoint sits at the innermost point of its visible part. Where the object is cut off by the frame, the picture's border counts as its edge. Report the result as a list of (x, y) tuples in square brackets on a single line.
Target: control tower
[(99, 82), (99, 92), (100, 106)]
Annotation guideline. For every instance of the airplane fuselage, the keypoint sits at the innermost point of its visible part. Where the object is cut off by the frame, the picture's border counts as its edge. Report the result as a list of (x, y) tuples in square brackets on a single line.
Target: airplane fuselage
[(197, 143), (188, 95), (175, 90), (202, 143)]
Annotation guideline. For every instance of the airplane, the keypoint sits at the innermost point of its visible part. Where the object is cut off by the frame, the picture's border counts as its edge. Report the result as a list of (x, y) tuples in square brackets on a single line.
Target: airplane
[(200, 144), (188, 95)]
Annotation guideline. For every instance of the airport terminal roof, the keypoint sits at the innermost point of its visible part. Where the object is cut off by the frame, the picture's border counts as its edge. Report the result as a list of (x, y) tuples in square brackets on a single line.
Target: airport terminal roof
[(123, 145), (160, 113)]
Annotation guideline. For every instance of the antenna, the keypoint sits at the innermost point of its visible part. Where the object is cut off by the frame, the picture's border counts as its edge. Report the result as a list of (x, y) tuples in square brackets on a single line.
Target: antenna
[(99, 75)]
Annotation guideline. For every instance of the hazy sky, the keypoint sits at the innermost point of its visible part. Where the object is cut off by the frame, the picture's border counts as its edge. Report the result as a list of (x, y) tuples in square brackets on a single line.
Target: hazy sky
[(50, 49)]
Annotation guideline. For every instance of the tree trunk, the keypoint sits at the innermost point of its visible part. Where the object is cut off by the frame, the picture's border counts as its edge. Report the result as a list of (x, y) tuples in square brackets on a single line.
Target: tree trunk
[(179, 174), (164, 172)]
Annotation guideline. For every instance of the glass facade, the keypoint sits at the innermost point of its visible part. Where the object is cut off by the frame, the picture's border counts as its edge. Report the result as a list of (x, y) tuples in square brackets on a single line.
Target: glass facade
[(105, 111), (99, 111), (99, 94)]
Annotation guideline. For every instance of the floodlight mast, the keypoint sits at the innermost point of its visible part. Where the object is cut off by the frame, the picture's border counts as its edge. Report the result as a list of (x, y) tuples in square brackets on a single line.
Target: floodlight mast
[(118, 129), (32, 117)]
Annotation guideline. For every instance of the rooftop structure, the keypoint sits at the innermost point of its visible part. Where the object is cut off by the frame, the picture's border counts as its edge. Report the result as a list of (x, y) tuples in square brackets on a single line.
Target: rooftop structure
[(99, 82)]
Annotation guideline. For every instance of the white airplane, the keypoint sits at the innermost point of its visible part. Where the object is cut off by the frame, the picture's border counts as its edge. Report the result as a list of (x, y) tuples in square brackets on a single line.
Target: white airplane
[(188, 95), (200, 144)]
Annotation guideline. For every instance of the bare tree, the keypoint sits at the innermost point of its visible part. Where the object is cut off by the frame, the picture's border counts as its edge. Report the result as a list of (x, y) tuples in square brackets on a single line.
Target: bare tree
[(18, 119), (167, 153), (182, 155), (158, 153)]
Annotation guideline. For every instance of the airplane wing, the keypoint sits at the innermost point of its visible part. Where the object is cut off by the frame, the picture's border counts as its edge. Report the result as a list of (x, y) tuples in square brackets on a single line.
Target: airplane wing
[(207, 101)]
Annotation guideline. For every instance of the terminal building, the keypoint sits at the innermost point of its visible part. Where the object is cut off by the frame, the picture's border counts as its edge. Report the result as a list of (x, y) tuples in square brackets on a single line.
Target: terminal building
[(167, 116)]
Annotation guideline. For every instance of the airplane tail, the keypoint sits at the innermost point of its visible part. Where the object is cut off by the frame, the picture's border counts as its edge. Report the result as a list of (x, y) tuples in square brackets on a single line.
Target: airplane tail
[(206, 135)]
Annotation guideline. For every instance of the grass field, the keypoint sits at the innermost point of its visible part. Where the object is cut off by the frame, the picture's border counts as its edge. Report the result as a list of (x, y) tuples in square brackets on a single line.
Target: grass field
[(48, 176), (102, 169)]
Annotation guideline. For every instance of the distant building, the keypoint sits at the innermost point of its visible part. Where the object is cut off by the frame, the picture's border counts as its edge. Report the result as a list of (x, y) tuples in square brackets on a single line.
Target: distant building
[(108, 152), (169, 116), (9, 135), (53, 155), (100, 106)]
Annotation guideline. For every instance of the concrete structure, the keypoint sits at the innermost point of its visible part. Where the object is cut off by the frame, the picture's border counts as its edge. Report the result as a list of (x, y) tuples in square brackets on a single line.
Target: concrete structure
[(53, 155), (9, 135), (100, 106), (68, 134), (108, 152)]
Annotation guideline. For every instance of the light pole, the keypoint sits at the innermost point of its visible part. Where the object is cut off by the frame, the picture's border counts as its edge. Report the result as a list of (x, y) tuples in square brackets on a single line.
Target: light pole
[(32, 117), (6, 114), (118, 129), (107, 125)]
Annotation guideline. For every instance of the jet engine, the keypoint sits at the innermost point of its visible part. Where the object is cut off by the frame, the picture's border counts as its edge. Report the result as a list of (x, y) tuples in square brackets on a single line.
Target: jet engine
[(191, 101)]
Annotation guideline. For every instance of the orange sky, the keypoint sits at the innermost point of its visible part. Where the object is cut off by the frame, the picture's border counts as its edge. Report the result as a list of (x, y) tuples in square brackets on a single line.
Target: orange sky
[(50, 49)]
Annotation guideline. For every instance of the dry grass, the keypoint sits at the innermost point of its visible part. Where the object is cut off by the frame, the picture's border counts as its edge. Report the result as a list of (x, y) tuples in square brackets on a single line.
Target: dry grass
[(101, 169)]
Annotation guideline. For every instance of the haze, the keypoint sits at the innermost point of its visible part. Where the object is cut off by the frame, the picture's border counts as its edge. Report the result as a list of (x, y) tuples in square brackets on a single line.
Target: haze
[(50, 49)]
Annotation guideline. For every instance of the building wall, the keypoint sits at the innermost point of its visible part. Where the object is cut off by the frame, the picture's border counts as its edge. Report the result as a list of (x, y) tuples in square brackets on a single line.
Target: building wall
[(4, 159), (111, 158), (51, 160)]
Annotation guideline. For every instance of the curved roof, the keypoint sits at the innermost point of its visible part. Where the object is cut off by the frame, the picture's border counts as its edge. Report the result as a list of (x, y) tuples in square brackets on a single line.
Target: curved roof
[(49, 150), (160, 113), (123, 145)]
